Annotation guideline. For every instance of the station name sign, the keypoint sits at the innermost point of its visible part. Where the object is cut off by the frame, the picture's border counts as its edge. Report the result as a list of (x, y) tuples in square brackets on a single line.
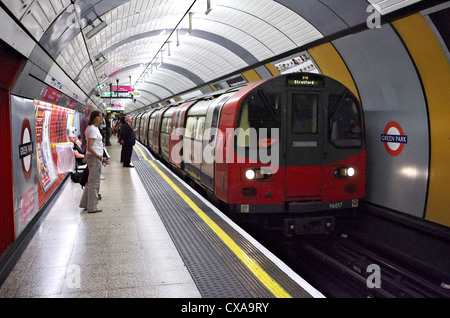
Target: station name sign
[(394, 138), (25, 149)]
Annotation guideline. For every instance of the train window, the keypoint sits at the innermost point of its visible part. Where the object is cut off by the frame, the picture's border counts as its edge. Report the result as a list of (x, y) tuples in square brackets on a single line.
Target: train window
[(165, 127), (200, 128), (178, 120), (304, 113), (259, 111), (345, 129), (190, 127), (177, 124), (152, 123)]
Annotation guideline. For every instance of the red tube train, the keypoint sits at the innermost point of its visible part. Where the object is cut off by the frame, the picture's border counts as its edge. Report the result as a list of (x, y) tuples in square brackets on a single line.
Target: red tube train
[(291, 143)]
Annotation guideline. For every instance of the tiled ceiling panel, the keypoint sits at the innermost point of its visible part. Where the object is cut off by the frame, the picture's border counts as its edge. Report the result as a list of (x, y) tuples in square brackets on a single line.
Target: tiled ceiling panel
[(234, 35), (388, 6)]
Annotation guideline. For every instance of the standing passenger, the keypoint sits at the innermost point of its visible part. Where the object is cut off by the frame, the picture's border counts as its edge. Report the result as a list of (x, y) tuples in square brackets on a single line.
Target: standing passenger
[(84, 124), (128, 141), (109, 125), (94, 158)]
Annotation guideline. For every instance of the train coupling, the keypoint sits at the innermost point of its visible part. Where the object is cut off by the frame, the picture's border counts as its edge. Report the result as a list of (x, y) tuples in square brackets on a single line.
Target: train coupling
[(308, 225)]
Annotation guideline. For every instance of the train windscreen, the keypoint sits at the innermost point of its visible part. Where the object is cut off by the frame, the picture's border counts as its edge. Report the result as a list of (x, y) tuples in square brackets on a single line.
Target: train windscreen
[(345, 121), (259, 114)]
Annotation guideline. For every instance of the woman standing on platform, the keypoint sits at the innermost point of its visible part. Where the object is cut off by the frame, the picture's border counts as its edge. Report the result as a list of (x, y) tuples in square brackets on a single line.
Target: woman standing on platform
[(94, 159)]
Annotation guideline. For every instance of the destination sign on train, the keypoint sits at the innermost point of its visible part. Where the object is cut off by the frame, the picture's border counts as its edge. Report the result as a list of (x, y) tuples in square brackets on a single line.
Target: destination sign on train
[(305, 80)]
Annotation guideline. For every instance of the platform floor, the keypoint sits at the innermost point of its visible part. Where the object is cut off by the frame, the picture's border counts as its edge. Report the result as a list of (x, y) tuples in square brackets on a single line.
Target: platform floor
[(124, 251), (156, 238)]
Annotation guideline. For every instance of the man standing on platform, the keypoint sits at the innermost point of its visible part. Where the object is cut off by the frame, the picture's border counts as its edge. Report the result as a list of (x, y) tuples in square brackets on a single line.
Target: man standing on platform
[(109, 126), (128, 141)]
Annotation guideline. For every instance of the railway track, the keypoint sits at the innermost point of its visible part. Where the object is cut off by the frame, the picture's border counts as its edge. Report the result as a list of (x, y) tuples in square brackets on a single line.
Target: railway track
[(356, 265)]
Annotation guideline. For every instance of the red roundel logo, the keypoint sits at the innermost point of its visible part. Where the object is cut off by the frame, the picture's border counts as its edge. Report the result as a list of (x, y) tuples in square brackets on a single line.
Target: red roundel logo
[(26, 149), (394, 138)]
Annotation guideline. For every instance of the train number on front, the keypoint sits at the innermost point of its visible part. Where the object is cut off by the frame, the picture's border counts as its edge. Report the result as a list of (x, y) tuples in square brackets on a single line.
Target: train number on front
[(336, 205)]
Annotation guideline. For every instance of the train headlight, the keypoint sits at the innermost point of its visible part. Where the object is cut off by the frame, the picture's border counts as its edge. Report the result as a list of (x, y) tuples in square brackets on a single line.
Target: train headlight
[(257, 174), (344, 172), (350, 172), (250, 174)]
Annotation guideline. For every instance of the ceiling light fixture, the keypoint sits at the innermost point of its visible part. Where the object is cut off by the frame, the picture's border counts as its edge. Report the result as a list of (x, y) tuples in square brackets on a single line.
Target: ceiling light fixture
[(190, 22), (99, 27), (154, 61), (208, 7), (99, 65)]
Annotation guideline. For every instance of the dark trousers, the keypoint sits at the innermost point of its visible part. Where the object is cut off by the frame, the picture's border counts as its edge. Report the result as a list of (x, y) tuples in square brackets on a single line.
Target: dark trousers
[(108, 136), (127, 151)]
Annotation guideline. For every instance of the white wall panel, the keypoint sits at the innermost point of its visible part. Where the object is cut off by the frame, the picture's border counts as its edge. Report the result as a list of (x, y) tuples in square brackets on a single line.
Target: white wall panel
[(390, 90)]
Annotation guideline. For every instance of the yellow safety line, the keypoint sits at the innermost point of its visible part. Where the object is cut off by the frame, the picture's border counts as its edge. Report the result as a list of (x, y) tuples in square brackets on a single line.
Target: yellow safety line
[(268, 281)]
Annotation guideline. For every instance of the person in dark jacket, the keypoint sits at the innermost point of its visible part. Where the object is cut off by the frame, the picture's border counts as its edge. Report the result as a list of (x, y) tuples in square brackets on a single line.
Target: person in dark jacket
[(128, 141)]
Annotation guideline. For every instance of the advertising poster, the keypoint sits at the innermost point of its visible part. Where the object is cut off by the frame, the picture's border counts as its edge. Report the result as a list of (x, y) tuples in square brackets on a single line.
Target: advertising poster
[(52, 95), (46, 168), (297, 64), (58, 125), (26, 200), (70, 123)]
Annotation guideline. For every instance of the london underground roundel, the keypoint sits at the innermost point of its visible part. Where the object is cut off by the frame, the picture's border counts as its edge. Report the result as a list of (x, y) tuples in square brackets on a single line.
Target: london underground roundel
[(394, 138), (26, 149)]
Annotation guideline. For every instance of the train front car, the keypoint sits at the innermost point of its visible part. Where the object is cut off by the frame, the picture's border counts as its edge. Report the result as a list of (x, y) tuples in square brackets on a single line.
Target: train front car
[(292, 144)]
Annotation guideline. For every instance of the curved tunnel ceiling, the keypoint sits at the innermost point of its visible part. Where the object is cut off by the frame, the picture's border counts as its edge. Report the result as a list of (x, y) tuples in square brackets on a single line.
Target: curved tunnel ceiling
[(148, 43)]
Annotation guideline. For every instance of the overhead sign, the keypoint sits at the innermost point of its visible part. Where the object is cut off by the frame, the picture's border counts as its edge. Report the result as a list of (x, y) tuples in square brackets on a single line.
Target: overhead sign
[(114, 108), (236, 81), (122, 88), (117, 95), (394, 138)]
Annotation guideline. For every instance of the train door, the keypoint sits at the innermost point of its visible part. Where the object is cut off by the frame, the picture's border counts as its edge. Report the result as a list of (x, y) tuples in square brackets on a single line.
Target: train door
[(210, 140), (157, 129), (165, 134), (303, 150), (193, 139), (151, 131), (176, 139), (188, 145)]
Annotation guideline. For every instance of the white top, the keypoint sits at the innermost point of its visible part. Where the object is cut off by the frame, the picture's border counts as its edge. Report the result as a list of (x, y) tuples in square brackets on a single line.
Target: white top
[(93, 132)]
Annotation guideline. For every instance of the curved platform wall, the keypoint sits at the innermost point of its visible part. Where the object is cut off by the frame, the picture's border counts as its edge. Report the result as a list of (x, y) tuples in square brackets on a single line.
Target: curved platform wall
[(391, 92), (399, 72), (40, 125), (428, 55)]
